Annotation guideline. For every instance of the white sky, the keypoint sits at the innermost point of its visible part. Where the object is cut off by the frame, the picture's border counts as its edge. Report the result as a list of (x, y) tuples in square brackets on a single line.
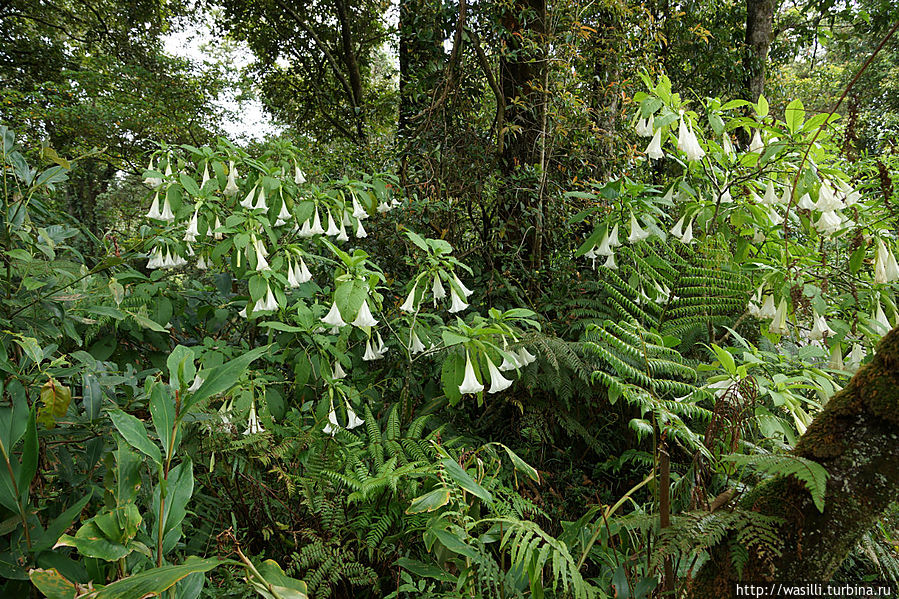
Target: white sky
[(251, 121)]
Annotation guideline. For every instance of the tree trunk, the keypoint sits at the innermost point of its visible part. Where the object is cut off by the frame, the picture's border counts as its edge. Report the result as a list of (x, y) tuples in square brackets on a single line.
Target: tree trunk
[(759, 34), (855, 440)]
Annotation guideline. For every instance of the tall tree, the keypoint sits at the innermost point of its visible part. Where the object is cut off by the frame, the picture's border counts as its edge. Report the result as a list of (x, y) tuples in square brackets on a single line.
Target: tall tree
[(759, 35)]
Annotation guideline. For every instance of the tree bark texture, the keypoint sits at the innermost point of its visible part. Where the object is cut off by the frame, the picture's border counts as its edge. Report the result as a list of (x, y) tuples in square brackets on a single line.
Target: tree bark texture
[(856, 439), (759, 34)]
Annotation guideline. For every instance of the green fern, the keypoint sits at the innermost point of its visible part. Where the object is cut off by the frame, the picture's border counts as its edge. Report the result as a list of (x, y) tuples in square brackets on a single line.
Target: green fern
[(812, 474)]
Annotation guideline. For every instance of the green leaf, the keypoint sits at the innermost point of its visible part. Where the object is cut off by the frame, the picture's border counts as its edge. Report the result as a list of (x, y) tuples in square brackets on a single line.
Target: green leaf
[(455, 544), (521, 465), (162, 411), (222, 378), (761, 108), (429, 501), (180, 364), (59, 525), (156, 580), (92, 395), (29, 458), (425, 570), (417, 240), (464, 480), (55, 400), (451, 374), (135, 433), (274, 579), (189, 184), (90, 541), (52, 584), (180, 487), (148, 324), (812, 474), (795, 115), (32, 349), (857, 258)]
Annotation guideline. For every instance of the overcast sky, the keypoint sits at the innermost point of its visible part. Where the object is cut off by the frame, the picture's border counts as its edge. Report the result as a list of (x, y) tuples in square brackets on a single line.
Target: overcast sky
[(251, 121)]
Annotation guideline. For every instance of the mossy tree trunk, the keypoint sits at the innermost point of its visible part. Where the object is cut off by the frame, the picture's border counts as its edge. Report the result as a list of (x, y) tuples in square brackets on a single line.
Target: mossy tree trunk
[(856, 439)]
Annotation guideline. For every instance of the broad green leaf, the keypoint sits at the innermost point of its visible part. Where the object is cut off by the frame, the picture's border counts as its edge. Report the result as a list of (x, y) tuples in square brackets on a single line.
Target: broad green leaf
[(32, 349), (761, 108), (429, 501), (147, 323), (55, 400), (222, 378), (180, 364), (179, 489), (90, 541), (451, 374), (162, 411), (156, 580), (52, 584), (464, 480), (455, 544), (189, 184), (276, 580), (794, 115), (59, 525), (135, 433), (425, 570), (521, 465)]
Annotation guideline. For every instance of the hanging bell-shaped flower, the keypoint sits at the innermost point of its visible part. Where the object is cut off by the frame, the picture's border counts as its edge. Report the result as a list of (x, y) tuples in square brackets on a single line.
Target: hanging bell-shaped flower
[(358, 211), (829, 223), (205, 175), (728, 146), (820, 329), (457, 304), (167, 215), (687, 237), (253, 424), (231, 189), (261, 262), (284, 214), (525, 357), (497, 381), (774, 216), (299, 177), (770, 197), (827, 199), (332, 229), (370, 354), (726, 198), (364, 318), (217, 235), (333, 317), (247, 202), (152, 181), (470, 383), (510, 362), (154, 212), (637, 234), (352, 421), (384, 207), (437, 289), (465, 290), (836, 358), (613, 237), (305, 231), (267, 303), (610, 262), (409, 304), (768, 309), (337, 371), (855, 357), (806, 203), (190, 234), (302, 273), (292, 276), (332, 426), (678, 229), (415, 344), (779, 322), (881, 320), (201, 263), (886, 270), (360, 230), (756, 144), (260, 201), (342, 235), (654, 149), (644, 126), (156, 259), (687, 142)]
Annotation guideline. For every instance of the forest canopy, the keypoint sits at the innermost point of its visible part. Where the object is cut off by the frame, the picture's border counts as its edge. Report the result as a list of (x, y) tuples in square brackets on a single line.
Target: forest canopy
[(509, 298)]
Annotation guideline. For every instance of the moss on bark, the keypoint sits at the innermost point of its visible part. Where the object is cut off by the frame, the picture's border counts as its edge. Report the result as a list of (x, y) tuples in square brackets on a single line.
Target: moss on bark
[(856, 439)]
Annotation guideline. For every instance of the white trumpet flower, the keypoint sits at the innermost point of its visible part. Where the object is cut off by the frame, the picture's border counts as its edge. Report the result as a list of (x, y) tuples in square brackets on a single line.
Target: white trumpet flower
[(613, 237), (820, 329), (610, 262), (299, 177), (687, 238), (645, 126), (341, 235), (217, 235), (302, 273), (247, 202), (827, 199), (855, 357), (457, 304), (231, 186), (637, 234), (654, 149), (465, 290), (829, 223), (267, 303), (364, 318), (409, 304), (370, 354), (352, 421), (190, 234), (152, 181), (880, 318), (678, 229), (470, 383), (779, 322), (360, 230), (332, 229), (316, 224), (415, 344), (284, 215), (497, 381), (770, 197), (332, 426), (154, 212), (166, 215), (205, 175), (525, 357), (253, 424), (687, 142), (260, 201), (337, 372), (358, 211), (333, 317), (756, 144), (261, 262), (768, 310), (437, 289), (886, 270), (806, 203)]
